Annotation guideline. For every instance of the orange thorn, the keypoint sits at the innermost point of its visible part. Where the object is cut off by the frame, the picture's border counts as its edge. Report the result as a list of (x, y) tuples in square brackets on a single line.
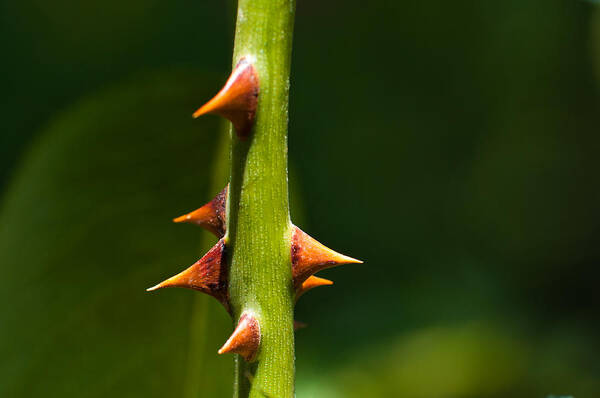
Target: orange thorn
[(311, 283), (299, 325), (237, 100), (208, 275), (211, 216), (310, 256), (245, 339)]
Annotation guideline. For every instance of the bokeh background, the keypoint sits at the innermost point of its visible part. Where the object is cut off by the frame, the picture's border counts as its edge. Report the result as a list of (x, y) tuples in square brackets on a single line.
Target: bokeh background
[(453, 146)]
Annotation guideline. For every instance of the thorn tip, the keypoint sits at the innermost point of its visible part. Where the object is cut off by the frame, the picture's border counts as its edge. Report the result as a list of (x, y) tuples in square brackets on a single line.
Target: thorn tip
[(184, 218)]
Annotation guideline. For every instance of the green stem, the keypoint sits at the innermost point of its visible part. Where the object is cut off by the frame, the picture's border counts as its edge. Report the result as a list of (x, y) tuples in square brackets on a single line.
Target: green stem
[(259, 227)]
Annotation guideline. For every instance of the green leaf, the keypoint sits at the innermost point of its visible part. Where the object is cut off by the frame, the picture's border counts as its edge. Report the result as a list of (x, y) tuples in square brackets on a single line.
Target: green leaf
[(86, 227)]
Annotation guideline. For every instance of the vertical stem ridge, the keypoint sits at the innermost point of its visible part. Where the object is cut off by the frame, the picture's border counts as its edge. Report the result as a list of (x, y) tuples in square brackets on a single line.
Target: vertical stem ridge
[(259, 227)]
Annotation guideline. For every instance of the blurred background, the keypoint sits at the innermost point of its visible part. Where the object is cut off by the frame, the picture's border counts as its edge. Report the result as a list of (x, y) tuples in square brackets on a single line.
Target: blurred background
[(453, 146)]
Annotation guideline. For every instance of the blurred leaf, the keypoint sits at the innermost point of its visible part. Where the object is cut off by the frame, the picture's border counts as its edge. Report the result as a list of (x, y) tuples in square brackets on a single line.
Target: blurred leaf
[(85, 228), (466, 360), (471, 360)]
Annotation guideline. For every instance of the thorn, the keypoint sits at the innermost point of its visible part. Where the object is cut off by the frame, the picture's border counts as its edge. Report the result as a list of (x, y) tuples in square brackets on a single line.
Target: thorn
[(208, 275), (299, 325), (211, 216), (237, 99), (310, 256), (245, 339), (311, 283)]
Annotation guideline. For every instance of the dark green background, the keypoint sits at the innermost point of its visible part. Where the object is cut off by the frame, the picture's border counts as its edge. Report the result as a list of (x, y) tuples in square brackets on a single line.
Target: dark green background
[(453, 146)]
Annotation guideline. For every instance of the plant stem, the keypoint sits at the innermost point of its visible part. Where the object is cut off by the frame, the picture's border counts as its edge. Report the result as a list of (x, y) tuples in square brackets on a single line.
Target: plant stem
[(259, 227)]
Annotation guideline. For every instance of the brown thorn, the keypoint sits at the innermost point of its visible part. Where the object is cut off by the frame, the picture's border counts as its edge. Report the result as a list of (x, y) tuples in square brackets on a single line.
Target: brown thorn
[(208, 275), (309, 256), (237, 100), (245, 339), (299, 325), (211, 216), (311, 283)]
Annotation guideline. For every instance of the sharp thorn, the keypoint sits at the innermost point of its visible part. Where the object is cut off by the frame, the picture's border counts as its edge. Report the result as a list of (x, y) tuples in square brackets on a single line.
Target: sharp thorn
[(245, 339), (208, 275), (237, 100), (309, 256), (211, 216), (310, 283)]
